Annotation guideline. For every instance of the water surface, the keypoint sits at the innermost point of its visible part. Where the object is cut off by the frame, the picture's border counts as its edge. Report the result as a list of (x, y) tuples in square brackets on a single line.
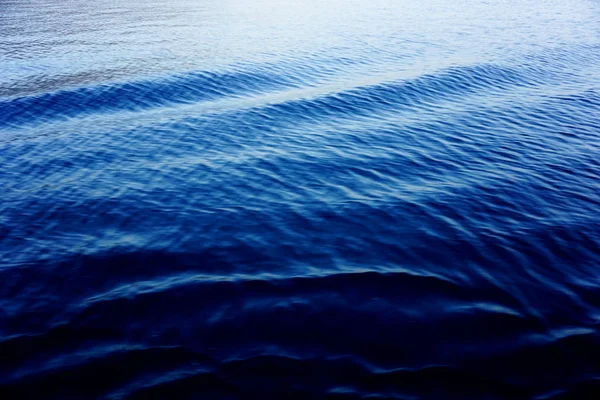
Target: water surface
[(300, 199)]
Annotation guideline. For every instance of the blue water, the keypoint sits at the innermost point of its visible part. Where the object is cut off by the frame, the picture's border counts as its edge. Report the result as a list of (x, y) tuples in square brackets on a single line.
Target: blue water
[(309, 199)]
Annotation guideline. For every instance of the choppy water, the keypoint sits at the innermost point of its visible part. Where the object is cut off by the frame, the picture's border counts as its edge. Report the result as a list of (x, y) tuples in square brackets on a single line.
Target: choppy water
[(271, 199)]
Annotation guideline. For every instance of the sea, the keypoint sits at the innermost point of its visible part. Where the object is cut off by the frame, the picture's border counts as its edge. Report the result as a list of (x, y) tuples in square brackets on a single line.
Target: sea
[(299, 199)]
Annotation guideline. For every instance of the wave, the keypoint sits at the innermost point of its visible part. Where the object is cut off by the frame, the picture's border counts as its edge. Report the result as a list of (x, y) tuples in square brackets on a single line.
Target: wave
[(130, 96), (159, 372), (367, 315), (207, 86)]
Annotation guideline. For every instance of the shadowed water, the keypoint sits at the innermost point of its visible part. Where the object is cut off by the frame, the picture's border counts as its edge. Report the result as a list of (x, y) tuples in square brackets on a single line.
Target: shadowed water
[(273, 199)]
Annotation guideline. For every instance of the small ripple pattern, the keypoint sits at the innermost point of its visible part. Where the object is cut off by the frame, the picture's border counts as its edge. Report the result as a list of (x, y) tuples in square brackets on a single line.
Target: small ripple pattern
[(311, 199)]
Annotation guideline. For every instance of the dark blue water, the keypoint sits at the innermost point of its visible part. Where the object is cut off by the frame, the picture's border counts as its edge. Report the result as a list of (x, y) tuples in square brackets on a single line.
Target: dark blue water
[(306, 199)]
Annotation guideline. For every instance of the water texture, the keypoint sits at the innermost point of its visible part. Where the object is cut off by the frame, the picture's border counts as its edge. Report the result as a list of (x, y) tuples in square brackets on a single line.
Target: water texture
[(269, 199)]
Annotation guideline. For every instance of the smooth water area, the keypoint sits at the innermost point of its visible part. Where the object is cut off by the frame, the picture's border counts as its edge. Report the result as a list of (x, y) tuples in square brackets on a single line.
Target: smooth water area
[(278, 199)]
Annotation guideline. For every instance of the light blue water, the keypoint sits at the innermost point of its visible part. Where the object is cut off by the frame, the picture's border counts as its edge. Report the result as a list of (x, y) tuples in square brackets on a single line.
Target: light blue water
[(299, 199)]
